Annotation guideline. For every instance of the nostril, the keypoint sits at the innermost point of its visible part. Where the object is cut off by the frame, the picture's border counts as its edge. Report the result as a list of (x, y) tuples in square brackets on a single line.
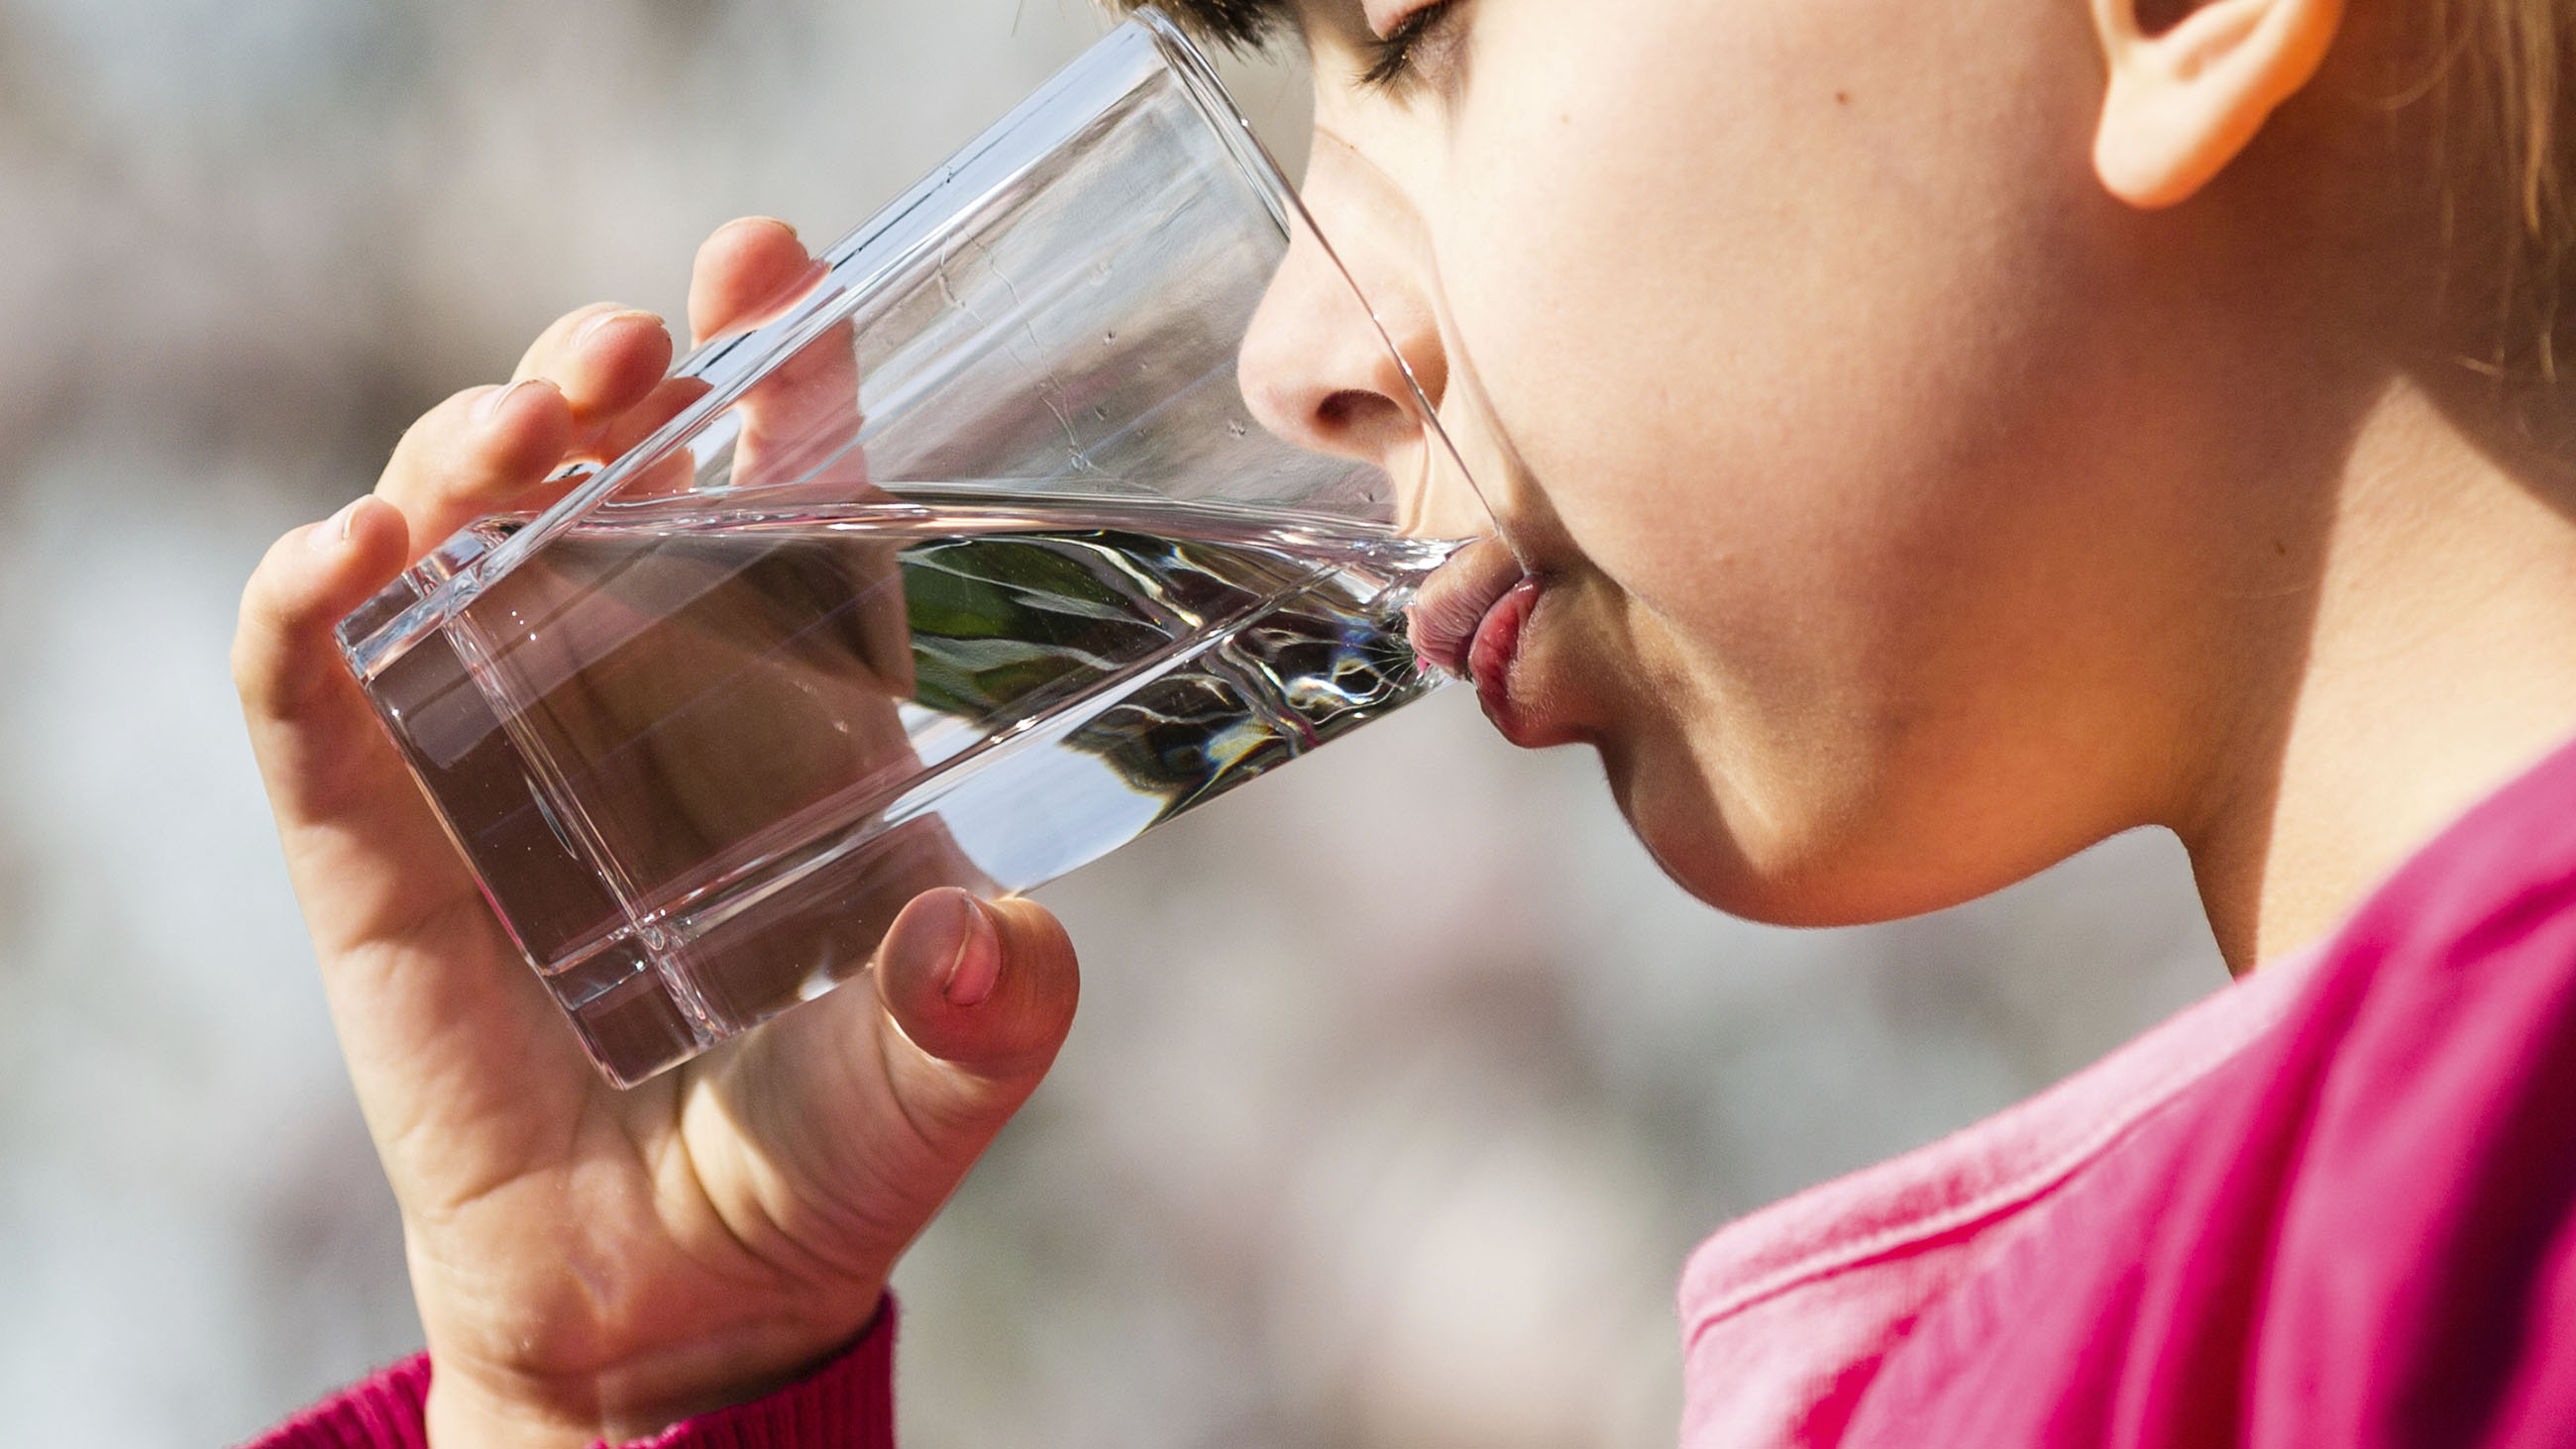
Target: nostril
[(1353, 416)]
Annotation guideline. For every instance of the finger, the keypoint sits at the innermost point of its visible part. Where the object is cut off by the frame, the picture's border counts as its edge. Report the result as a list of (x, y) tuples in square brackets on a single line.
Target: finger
[(889, 1096), (605, 359), (283, 653), (801, 422), (474, 454), (804, 415), (746, 271), (440, 1019), (490, 448), (987, 989), (637, 423), (324, 758), (675, 470)]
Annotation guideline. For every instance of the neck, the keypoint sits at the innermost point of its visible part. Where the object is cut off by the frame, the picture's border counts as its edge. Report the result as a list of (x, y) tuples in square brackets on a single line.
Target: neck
[(2439, 661)]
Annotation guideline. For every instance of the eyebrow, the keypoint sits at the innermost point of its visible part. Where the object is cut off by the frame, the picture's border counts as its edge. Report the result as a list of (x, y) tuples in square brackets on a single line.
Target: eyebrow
[(1244, 25)]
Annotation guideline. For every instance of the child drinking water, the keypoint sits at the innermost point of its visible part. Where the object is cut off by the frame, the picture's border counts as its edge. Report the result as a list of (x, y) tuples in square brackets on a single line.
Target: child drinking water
[(1926, 440)]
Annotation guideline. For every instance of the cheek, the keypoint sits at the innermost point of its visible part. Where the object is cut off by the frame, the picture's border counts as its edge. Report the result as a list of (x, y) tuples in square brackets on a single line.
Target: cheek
[(1777, 321), (1743, 289)]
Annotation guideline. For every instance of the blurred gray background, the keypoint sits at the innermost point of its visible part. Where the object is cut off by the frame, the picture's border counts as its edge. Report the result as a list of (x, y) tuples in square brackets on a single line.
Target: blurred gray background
[(1403, 1082)]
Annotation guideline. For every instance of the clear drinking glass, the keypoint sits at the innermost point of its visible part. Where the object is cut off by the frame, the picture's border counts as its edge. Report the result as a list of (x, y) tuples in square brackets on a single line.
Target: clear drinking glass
[(970, 564)]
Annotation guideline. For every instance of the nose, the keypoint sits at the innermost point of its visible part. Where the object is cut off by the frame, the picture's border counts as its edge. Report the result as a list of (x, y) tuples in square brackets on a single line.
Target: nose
[(1319, 370)]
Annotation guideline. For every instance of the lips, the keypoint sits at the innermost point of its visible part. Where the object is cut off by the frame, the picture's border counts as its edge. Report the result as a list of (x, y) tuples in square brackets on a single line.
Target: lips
[(1467, 620), (1496, 645)]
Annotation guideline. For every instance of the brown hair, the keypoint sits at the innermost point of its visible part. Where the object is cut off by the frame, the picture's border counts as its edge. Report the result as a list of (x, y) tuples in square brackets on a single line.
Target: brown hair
[(2525, 46), (1240, 24), (2500, 79)]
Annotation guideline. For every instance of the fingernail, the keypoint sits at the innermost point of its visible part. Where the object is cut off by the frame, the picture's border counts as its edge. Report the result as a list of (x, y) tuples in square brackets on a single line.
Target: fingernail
[(489, 405), (333, 532), (581, 335), (785, 226), (978, 963)]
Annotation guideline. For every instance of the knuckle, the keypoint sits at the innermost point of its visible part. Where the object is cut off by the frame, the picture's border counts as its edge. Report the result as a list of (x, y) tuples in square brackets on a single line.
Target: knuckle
[(432, 429)]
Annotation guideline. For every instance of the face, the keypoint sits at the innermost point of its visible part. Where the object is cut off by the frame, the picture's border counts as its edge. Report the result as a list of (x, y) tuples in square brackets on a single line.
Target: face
[(1798, 356)]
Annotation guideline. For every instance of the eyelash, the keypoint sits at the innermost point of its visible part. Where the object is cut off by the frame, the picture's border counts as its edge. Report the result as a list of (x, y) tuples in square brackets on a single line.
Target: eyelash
[(1391, 59)]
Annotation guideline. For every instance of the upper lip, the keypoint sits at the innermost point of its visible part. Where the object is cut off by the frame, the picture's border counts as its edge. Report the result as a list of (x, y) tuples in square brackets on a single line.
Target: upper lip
[(1453, 602)]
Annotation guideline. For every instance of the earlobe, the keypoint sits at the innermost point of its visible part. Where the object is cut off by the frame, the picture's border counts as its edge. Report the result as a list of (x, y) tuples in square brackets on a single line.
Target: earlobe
[(2183, 102)]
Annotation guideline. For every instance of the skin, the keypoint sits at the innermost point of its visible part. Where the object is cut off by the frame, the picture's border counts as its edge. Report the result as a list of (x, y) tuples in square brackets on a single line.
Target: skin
[(1945, 436)]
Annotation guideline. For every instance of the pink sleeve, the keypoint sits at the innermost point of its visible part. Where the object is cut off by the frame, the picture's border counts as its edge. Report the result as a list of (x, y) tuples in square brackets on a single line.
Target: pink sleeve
[(379, 1412), (846, 1404)]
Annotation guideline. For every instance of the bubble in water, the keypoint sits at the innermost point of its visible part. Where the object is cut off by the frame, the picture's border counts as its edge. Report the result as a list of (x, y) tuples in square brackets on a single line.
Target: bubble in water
[(1235, 428)]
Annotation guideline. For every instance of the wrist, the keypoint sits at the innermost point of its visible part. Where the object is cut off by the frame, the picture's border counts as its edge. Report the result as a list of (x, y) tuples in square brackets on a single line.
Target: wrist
[(474, 1403), (460, 1414)]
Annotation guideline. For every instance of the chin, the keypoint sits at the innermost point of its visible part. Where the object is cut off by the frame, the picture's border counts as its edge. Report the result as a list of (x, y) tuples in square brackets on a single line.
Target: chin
[(1788, 868)]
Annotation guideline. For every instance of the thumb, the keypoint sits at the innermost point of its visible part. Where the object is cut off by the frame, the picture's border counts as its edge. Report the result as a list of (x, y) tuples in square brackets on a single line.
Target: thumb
[(987, 988)]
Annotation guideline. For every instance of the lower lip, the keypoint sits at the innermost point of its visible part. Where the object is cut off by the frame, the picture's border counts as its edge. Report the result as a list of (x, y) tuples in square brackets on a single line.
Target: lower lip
[(1497, 645)]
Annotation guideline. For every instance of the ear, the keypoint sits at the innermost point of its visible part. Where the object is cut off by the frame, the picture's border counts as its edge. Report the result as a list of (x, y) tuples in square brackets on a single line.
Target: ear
[(2184, 101)]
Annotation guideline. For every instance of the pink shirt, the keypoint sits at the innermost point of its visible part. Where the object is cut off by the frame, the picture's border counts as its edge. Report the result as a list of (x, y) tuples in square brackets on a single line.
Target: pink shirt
[(2334, 1204), (1788, 1314)]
